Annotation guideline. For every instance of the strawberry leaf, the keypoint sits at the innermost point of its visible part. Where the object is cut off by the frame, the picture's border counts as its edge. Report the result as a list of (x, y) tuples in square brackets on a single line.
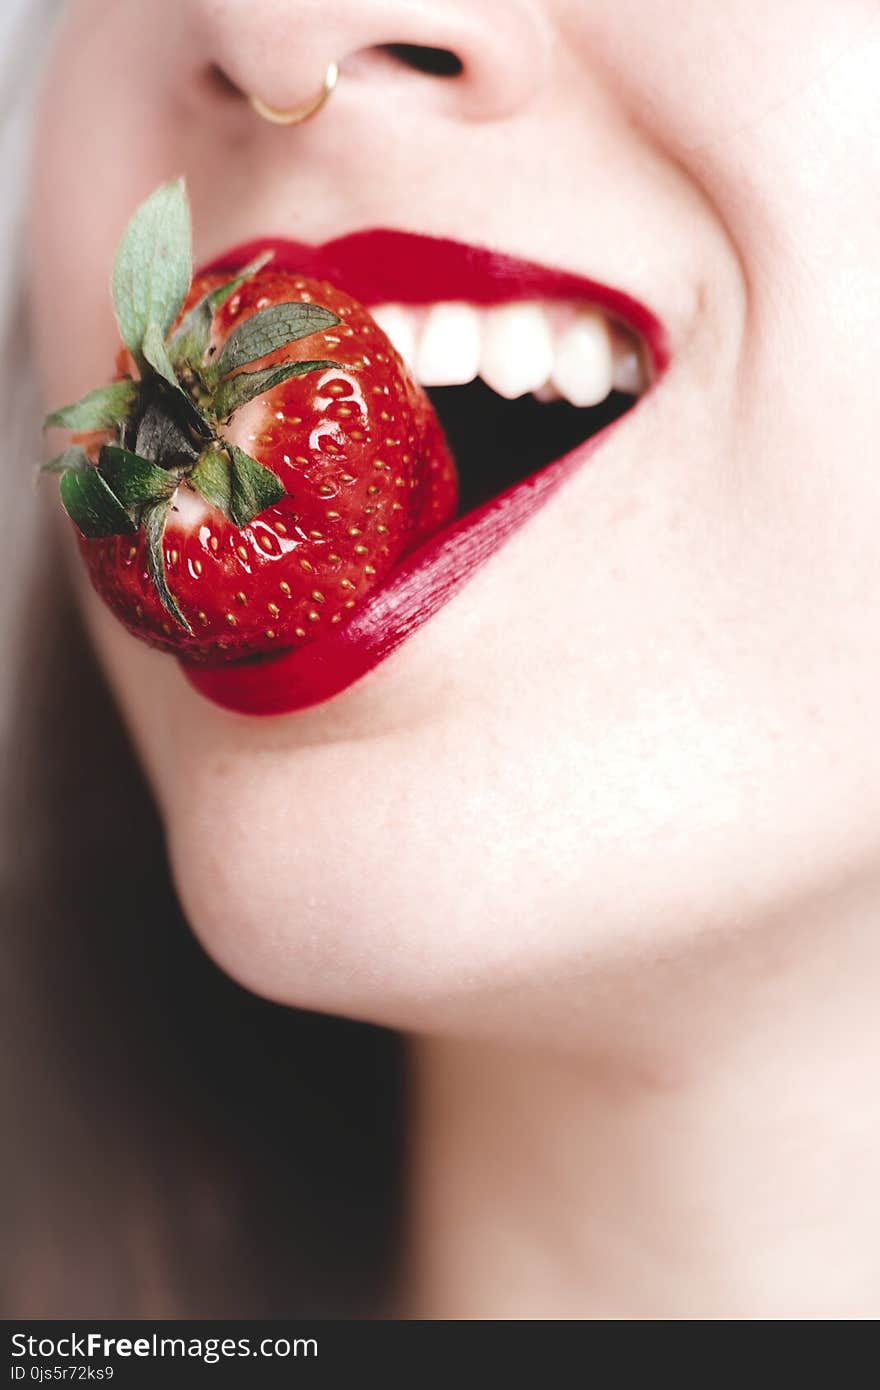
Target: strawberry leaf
[(74, 457), (135, 480), (212, 477), (217, 298), (153, 266), (102, 409), (270, 329), (240, 389), (154, 518), (189, 341), (254, 487), (92, 505), (156, 355)]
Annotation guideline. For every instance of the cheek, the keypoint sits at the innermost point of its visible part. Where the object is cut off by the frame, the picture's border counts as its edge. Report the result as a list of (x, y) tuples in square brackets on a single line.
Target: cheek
[(101, 143)]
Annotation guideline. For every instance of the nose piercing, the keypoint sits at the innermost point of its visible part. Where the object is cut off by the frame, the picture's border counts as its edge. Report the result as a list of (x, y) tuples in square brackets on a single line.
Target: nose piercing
[(298, 114)]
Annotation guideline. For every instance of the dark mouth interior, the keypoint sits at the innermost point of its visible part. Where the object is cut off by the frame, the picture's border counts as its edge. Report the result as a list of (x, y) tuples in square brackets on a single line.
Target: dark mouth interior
[(496, 442)]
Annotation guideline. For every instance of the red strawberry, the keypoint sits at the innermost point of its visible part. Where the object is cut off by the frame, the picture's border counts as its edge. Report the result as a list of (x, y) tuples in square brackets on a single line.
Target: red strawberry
[(269, 466)]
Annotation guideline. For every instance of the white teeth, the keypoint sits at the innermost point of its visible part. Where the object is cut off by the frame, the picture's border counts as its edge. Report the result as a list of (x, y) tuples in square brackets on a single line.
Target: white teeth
[(629, 373), (583, 365), (557, 350), (399, 323), (448, 352), (517, 351)]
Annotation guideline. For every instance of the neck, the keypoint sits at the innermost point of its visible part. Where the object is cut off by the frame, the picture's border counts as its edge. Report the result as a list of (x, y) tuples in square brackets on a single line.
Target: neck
[(728, 1170)]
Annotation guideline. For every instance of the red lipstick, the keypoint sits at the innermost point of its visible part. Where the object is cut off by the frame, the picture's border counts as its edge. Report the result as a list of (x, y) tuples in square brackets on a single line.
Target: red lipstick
[(382, 266), (389, 266)]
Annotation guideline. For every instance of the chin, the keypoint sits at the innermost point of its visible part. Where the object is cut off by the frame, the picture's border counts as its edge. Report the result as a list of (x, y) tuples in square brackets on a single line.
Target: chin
[(358, 878), (335, 885)]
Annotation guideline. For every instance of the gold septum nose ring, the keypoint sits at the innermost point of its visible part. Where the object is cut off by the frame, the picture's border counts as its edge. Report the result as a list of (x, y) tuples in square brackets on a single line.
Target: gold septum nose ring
[(299, 114)]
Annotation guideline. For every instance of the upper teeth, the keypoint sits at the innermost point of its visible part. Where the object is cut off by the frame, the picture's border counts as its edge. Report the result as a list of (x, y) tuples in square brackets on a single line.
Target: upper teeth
[(555, 350)]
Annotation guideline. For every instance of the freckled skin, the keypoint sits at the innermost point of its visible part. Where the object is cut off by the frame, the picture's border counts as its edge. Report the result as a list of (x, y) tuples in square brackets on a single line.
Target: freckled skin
[(367, 476)]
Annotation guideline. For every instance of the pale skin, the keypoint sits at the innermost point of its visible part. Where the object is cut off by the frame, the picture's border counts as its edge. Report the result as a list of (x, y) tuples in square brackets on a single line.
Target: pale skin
[(603, 838)]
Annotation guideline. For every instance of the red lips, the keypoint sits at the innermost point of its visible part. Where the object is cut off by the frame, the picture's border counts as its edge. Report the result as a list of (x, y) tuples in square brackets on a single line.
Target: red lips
[(387, 266), (381, 266)]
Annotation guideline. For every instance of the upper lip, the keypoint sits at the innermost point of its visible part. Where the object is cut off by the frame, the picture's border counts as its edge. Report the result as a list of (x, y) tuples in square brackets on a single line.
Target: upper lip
[(379, 265)]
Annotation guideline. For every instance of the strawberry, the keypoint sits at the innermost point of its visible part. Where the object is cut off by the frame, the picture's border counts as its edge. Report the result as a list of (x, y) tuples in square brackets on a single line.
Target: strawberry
[(262, 460)]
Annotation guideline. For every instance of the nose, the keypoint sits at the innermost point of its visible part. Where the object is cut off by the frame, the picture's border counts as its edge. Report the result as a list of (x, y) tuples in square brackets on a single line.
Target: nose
[(478, 59)]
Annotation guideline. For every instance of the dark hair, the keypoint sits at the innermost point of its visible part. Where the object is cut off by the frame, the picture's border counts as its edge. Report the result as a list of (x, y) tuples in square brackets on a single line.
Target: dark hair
[(173, 1146)]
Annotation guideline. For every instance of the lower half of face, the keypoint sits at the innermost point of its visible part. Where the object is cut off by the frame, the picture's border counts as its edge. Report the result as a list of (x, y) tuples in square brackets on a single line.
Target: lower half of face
[(645, 723)]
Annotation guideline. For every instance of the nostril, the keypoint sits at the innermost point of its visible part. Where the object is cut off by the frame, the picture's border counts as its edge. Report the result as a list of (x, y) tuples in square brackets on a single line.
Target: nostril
[(484, 61), (436, 62), (221, 82)]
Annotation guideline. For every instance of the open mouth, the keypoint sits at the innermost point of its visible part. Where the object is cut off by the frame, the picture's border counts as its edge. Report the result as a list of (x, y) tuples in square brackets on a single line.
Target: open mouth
[(516, 385), (525, 366)]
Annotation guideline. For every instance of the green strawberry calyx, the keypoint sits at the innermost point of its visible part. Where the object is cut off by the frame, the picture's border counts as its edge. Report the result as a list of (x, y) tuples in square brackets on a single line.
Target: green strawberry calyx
[(167, 422)]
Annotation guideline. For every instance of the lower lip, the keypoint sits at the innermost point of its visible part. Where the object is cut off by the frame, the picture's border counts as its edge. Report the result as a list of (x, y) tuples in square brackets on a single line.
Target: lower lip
[(420, 585)]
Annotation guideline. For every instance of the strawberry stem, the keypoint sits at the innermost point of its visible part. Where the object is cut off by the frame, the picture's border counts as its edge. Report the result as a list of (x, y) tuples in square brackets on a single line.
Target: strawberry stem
[(166, 425)]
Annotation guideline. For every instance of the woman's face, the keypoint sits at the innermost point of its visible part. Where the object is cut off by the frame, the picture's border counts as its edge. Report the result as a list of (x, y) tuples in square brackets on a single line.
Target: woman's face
[(649, 721)]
